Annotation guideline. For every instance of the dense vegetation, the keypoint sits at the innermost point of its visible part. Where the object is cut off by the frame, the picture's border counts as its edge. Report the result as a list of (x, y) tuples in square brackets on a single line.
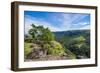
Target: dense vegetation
[(77, 41), (42, 44)]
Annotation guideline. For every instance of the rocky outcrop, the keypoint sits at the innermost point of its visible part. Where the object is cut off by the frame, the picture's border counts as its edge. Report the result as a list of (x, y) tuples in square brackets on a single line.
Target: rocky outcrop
[(46, 51), (36, 52)]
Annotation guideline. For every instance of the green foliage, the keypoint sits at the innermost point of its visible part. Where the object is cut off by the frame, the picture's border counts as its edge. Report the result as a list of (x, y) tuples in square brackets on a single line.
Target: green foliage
[(79, 39), (27, 48), (86, 50), (28, 39), (64, 46), (47, 35), (33, 31), (45, 39), (54, 48), (79, 47), (41, 33), (70, 54)]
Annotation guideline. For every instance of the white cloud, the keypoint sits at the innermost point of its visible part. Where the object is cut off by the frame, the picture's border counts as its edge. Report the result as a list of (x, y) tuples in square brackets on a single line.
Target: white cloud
[(67, 22), (70, 18), (85, 27), (31, 20)]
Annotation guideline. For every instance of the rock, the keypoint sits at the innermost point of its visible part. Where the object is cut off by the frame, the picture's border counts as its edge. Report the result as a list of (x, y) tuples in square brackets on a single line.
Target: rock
[(81, 57), (37, 53)]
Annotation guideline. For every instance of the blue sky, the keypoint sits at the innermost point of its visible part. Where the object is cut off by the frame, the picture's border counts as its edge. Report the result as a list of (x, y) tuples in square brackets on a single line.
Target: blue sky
[(57, 21)]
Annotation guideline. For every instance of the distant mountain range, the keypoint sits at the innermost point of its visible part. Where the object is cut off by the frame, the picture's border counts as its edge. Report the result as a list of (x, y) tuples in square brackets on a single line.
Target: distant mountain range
[(72, 33)]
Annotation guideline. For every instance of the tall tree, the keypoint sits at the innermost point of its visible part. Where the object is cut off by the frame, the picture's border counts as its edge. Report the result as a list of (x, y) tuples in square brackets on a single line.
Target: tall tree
[(41, 33)]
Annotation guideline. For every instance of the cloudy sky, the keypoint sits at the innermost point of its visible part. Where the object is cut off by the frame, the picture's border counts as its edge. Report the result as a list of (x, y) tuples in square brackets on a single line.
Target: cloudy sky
[(57, 21)]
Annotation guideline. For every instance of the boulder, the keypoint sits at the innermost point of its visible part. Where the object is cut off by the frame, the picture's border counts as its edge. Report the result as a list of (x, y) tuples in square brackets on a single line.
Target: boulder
[(37, 53)]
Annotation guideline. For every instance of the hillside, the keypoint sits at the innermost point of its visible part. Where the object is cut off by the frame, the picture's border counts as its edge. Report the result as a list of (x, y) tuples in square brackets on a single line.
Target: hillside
[(42, 44), (74, 38), (72, 33)]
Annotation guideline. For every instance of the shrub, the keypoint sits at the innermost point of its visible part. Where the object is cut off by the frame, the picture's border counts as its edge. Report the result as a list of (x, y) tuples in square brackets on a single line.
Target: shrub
[(40, 33), (27, 48), (54, 48)]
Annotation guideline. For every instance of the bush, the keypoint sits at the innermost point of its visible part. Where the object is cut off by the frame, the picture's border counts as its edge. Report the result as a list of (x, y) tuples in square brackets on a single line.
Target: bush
[(79, 47), (54, 48), (40, 33), (27, 48)]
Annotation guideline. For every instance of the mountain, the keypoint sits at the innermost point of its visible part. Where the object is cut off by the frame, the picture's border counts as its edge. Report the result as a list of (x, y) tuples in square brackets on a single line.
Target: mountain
[(77, 41), (71, 33)]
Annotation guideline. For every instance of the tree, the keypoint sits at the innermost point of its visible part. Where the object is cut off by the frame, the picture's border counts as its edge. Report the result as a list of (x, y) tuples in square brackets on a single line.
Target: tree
[(40, 33), (79, 47), (33, 31), (28, 38), (47, 35), (86, 50)]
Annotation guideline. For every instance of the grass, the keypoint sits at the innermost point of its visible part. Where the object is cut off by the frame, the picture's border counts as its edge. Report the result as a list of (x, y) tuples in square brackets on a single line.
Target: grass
[(27, 48)]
